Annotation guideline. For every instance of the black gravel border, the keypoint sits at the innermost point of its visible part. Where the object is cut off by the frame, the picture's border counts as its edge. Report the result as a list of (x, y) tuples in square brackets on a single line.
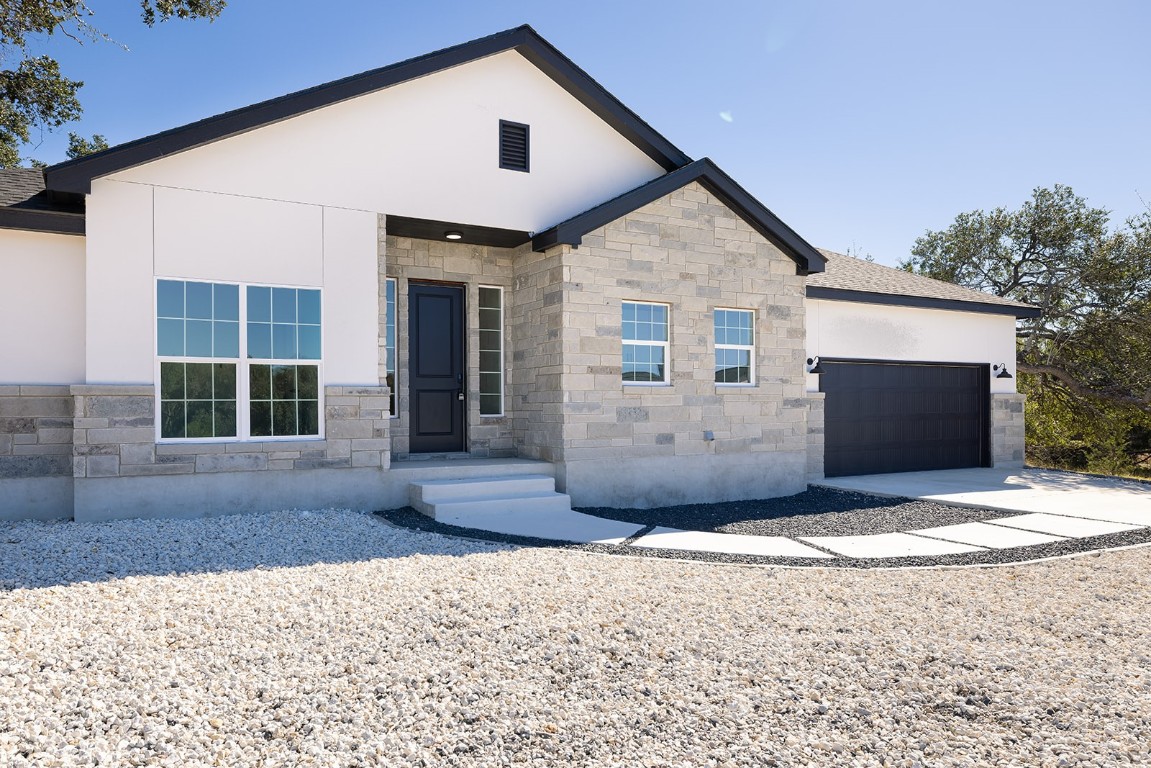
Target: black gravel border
[(816, 512)]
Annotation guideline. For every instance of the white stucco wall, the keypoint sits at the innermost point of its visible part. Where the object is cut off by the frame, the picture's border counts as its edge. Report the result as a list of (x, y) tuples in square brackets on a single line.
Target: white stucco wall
[(427, 148), (351, 298), (880, 332), (137, 233), (203, 236), (41, 308)]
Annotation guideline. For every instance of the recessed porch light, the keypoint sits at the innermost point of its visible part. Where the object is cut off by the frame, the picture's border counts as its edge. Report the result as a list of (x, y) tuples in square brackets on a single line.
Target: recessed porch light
[(454, 235)]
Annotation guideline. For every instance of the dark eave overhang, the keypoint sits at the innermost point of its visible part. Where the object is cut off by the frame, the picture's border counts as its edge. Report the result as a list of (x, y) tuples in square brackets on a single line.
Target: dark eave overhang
[(77, 175), (711, 178), (52, 222), (921, 302), (472, 234)]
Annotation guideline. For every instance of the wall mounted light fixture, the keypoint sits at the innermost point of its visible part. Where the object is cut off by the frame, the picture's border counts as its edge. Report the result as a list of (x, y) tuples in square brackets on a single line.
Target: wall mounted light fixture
[(1001, 371), (454, 235), (813, 365)]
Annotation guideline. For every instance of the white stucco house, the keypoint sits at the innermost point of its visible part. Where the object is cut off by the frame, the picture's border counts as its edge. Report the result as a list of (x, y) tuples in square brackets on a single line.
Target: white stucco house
[(494, 264)]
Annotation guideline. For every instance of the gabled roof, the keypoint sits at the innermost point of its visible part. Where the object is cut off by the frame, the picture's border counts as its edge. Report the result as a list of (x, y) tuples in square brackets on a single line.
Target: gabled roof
[(76, 175), (715, 181), (24, 204), (851, 279)]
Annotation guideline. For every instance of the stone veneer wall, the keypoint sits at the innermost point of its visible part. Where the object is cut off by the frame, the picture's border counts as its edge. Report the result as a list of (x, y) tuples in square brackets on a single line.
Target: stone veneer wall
[(1008, 436), (406, 258), (537, 363), (114, 435), (35, 451), (646, 445), (816, 410)]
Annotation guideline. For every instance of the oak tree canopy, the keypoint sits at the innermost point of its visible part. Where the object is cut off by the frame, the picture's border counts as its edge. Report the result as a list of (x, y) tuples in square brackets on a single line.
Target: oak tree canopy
[(1086, 361)]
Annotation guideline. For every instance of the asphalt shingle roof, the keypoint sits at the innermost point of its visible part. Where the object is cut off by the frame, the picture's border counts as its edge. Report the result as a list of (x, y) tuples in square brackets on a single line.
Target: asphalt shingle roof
[(19, 185), (24, 204), (846, 273)]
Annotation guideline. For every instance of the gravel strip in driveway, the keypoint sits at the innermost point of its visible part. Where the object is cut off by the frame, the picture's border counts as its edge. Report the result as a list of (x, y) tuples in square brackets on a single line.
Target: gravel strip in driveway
[(332, 639), (816, 512)]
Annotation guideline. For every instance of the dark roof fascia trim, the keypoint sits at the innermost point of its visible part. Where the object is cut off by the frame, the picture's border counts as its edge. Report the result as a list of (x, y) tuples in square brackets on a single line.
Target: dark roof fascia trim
[(77, 175), (473, 234), (49, 222), (921, 302), (595, 97), (709, 175)]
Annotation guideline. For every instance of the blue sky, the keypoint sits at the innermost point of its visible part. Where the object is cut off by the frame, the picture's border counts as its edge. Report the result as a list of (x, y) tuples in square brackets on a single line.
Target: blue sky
[(862, 125)]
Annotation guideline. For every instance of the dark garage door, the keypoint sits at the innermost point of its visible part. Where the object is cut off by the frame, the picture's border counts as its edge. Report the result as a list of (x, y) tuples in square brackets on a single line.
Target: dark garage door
[(903, 417)]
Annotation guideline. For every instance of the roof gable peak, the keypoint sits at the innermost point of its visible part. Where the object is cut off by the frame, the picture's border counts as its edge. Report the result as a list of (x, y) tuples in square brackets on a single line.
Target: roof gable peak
[(77, 175), (712, 178)]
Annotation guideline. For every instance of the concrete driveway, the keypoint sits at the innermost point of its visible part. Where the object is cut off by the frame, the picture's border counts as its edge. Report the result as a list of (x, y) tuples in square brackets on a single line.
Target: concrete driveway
[(1042, 491)]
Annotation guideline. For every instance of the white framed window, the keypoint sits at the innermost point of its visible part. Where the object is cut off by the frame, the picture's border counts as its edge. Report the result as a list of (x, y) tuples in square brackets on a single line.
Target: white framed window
[(220, 378), (645, 343), (491, 306), (734, 346), (390, 341)]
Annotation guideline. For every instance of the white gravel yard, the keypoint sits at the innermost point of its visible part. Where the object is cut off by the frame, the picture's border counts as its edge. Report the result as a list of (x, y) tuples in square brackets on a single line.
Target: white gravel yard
[(332, 639)]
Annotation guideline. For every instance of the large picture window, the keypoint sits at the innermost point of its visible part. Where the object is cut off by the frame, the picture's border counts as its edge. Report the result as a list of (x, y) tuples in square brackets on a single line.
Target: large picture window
[(734, 346), (222, 378), (645, 343)]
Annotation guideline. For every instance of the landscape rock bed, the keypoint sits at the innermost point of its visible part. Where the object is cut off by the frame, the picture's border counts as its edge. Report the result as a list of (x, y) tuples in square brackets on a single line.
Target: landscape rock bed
[(333, 639)]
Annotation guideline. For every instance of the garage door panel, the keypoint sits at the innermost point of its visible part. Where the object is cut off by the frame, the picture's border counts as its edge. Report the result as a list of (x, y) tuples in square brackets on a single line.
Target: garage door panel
[(903, 417)]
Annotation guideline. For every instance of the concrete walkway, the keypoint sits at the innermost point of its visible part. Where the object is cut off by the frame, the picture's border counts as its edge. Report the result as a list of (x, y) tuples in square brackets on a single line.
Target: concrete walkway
[(1053, 507)]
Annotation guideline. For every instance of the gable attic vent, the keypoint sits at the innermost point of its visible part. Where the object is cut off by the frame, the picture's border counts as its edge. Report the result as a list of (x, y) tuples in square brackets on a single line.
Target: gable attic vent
[(513, 146)]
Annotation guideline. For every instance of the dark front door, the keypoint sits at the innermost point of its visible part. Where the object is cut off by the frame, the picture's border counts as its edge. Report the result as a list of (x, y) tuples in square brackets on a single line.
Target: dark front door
[(436, 367), (904, 417)]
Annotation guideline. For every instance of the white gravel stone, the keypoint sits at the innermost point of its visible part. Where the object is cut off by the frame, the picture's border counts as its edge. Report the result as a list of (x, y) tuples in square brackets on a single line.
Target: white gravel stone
[(332, 639)]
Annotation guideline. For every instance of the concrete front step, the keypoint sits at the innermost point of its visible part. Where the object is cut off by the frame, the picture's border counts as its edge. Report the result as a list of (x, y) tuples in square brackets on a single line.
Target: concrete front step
[(457, 489), (448, 500)]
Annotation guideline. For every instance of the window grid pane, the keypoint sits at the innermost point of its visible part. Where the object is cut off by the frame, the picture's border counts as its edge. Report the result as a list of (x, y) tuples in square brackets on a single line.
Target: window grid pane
[(734, 346), (197, 400), (283, 324), (197, 319), (491, 352), (284, 400), (645, 331)]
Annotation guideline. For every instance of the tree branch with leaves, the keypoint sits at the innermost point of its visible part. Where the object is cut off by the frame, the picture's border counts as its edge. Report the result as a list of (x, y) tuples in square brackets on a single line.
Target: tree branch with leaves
[(34, 93)]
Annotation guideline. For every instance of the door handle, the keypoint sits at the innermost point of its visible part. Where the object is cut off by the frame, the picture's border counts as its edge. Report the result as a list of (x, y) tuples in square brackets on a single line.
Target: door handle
[(459, 394)]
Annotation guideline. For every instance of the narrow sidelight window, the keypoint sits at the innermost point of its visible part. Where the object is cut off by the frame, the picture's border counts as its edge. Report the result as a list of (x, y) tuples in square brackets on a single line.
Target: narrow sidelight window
[(514, 150), (645, 343), (491, 351), (734, 346), (390, 339)]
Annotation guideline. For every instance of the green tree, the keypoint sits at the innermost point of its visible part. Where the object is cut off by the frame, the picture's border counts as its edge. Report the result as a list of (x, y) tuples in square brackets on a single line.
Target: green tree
[(1085, 364), (34, 93), (78, 146)]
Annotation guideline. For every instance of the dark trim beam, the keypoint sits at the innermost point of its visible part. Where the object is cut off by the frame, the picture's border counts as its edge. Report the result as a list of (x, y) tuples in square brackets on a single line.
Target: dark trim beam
[(429, 229), (51, 222), (922, 302)]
